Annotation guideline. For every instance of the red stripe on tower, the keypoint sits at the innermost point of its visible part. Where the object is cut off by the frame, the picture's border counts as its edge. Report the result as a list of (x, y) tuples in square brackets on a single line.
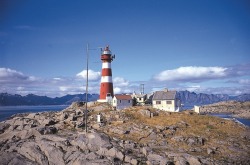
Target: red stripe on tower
[(106, 88)]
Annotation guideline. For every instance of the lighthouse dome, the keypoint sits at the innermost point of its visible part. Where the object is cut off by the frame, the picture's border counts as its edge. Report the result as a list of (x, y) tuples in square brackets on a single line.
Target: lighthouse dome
[(106, 50)]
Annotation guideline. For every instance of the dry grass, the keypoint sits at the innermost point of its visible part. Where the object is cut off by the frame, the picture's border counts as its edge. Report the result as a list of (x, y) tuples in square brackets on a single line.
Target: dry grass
[(210, 128), (216, 132)]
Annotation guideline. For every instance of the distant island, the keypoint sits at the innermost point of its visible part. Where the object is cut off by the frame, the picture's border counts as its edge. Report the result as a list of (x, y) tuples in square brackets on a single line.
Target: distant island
[(187, 98)]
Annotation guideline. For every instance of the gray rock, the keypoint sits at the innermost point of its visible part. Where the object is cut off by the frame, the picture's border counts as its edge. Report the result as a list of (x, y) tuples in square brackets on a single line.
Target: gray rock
[(63, 116), (115, 153), (156, 159), (54, 154), (181, 161), (97, 140), (32, 115), (48, 122), (71, 155), (47, 130), (193, 160), (14, 158), (33, 152), (3, 127), (210, 151)]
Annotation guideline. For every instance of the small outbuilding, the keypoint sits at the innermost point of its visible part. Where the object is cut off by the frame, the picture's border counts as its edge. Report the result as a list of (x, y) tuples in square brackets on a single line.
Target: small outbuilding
[(140, 98), (166, 100), (121, 101)]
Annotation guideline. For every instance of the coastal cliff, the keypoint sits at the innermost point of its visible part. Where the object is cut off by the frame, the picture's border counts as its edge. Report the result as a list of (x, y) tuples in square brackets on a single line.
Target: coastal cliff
[(138, 135)]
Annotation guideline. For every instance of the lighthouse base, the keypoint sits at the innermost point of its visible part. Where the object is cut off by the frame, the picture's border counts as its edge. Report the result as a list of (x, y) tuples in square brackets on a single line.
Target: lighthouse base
[(107, 100)]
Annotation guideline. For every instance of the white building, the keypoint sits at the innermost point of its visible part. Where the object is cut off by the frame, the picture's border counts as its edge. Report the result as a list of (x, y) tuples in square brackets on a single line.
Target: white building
[(122, 101), (166, 100), (140, 98)]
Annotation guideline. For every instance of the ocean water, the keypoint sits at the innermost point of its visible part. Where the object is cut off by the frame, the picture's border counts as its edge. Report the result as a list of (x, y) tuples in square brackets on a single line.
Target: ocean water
[(243, 121), (7, 111)]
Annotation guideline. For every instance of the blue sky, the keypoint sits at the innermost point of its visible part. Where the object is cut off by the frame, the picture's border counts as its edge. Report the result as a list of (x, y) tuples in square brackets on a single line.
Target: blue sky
[(195, 45)]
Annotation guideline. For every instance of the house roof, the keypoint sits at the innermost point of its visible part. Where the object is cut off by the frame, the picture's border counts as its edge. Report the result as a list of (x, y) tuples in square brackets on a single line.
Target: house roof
[(123, 97), (164, 95), (139, 95)]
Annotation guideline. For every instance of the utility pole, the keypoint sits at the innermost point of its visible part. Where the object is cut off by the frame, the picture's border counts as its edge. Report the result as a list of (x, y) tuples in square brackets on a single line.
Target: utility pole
[(86, 98)]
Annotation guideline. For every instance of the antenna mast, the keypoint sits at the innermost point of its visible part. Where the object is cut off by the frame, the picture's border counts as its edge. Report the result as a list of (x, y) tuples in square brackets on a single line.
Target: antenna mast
[(142, 88), (86, 98)]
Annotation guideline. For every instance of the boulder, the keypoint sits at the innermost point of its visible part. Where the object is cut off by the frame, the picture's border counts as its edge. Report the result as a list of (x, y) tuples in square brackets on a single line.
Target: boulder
[(3, 127), (96, 140), (14, 158), (54, 154), (115, 153), (179, 160), (47, 130), (48, 122), (33, 152), (156, 159), (193, 160)]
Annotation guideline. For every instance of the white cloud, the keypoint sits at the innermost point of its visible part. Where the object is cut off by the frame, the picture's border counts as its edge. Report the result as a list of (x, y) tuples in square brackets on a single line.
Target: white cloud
[(191, 73), (184, 78), (63, 88), (7, 74), (120, 82), (117, 90), (92, 75)]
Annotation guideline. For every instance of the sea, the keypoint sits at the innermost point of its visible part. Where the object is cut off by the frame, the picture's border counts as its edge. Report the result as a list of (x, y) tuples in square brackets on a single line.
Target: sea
[(8, 111), (228, 116)]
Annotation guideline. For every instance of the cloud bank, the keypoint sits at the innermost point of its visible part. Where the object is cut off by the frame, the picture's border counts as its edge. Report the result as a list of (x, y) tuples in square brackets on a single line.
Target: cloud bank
[(191, 73), (92, 75), (232, 80)]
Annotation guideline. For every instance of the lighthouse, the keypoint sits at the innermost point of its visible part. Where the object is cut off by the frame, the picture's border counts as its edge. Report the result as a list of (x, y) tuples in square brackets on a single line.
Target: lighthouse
[(106, 88)]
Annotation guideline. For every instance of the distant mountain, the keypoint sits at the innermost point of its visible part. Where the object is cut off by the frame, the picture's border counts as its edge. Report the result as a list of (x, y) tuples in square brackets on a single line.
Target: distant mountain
[(191, 98), (187, 98), (31, 99)]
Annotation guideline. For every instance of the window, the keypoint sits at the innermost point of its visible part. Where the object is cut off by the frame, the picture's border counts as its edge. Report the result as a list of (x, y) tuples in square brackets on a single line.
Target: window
[(169, 102), (120, 101), (128, 101), (158, 102)]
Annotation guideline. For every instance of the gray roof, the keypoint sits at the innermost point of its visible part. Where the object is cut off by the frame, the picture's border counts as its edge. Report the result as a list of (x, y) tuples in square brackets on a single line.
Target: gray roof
[(164, 95)]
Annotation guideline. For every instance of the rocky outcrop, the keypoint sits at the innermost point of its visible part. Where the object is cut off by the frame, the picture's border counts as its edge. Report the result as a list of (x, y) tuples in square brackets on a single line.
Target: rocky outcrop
[(129, 136), (235, 108)]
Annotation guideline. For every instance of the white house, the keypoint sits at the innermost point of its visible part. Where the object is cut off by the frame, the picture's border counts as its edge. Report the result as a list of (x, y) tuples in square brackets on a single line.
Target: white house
[(122, 101), (140, 98), (166, 100)]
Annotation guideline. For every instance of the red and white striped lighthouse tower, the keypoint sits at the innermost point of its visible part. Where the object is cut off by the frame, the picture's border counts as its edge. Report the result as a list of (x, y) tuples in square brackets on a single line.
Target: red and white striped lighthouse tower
[(106, 89)]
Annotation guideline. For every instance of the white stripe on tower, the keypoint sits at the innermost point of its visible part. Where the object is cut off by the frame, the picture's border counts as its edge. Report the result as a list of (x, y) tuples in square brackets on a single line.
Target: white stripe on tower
[(107, 79), (106, 65)]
